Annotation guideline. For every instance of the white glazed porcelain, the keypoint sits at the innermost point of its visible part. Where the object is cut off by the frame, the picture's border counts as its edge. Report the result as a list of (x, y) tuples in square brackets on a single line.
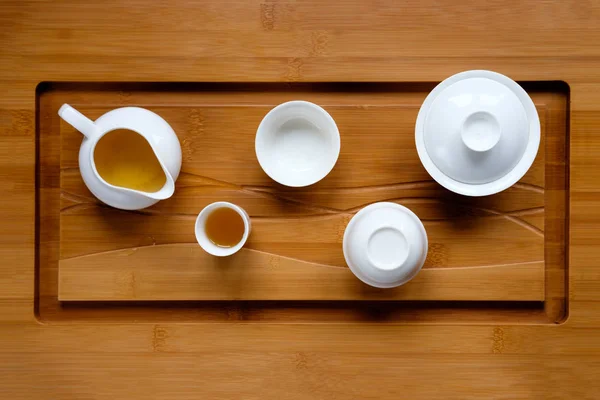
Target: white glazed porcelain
[(477, 133), (297, 143), (385, 245), (152, 127), (205, 242)]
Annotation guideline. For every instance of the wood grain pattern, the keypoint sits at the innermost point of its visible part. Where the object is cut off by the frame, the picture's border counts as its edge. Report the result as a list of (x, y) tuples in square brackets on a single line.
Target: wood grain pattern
[(294, 351), (186, 272), (216, 125)]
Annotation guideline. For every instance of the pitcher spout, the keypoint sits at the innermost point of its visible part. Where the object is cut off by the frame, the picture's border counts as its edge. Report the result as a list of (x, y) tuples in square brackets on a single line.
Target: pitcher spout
[(166, 191)]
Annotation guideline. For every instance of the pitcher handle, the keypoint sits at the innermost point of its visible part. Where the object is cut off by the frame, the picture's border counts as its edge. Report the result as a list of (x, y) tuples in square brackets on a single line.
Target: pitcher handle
[(78, 121)]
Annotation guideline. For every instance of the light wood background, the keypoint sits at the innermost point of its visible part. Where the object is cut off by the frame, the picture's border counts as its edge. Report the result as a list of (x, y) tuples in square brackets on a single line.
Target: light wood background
[(292, 41)]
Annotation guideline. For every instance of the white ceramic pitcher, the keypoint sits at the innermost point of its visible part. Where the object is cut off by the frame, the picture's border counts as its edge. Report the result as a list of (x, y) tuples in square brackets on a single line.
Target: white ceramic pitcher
[(160, 136)]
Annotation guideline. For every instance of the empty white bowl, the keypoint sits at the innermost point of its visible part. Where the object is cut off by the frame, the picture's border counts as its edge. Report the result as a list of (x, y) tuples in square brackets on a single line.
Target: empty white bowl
[(385, 245), (477, 133), (297, 143)]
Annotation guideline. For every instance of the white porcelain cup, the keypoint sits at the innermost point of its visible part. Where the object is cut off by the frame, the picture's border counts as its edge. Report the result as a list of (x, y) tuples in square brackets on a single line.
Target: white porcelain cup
[(385, 245), (297, 143), (203, 239)]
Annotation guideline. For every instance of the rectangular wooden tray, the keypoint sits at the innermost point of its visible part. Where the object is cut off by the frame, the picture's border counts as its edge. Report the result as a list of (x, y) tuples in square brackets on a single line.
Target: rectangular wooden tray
[(505, 251)]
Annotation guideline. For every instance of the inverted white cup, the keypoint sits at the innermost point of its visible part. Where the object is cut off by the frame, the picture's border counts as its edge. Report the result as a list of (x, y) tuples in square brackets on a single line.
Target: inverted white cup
[(206, 243), (385, 245), (297, 143)]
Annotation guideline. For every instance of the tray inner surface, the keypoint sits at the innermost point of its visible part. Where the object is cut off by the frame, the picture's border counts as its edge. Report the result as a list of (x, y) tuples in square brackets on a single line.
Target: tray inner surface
[(498, 258)]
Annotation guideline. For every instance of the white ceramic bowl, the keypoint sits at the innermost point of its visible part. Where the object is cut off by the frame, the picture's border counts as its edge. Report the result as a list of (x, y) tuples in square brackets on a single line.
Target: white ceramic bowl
[(297, 143), (477, 133), (385, 245), (206, 243)]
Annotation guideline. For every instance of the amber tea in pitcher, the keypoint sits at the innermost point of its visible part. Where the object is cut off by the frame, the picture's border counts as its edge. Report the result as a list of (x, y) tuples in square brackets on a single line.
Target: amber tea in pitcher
[(124, 158)]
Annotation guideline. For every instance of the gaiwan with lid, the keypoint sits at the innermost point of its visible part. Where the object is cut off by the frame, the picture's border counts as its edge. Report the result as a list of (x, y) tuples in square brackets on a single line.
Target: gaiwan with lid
[(477, 133)]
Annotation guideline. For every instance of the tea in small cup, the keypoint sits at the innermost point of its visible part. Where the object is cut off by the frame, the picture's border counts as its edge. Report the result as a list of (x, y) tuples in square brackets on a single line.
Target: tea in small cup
[(222, 228)]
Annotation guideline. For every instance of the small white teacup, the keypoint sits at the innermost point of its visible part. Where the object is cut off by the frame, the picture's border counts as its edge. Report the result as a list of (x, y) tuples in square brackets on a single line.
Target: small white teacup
[(203, 237), (385, 245)]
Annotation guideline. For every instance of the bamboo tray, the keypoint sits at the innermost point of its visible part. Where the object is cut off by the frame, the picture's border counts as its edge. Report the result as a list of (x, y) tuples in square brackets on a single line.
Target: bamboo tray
[(501, 256)]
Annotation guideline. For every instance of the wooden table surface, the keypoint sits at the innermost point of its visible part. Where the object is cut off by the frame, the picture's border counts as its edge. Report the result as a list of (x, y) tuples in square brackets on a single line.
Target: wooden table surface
[(300, 41)]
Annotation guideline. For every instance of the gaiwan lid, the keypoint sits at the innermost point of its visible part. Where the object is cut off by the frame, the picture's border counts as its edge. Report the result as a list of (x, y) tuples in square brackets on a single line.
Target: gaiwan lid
[(477, 133)]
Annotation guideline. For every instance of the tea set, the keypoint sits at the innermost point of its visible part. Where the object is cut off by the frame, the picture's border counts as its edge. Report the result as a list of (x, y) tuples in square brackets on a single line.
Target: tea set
[(477, 133)]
